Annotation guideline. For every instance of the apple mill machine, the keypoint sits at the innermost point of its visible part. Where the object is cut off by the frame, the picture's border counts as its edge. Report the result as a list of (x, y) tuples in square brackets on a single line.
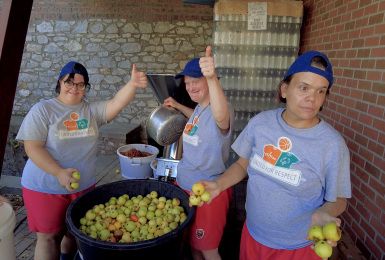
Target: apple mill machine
[(165, 125)]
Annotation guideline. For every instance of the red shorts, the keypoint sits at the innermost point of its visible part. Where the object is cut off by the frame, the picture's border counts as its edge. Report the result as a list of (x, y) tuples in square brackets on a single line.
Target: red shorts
[(46, 212), (252, 250), (210, 220)]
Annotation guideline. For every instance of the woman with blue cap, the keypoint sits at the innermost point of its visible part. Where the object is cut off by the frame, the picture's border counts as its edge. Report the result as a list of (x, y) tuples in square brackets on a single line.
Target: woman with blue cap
[(206, 147), (298, 167), (60, 138)]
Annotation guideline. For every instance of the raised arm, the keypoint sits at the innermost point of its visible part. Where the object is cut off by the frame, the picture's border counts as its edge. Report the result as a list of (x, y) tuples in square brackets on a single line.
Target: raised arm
[(218, 101), (126, 94)]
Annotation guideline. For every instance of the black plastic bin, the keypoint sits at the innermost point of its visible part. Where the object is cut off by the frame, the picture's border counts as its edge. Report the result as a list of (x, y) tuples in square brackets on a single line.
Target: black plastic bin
[(169, 246)]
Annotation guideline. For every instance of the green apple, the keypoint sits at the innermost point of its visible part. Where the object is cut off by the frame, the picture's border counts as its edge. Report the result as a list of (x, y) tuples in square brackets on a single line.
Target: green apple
[(121, 200), (126, 238), (182, 218), (160, 205), (331, 231), (323, 249), (142, 220), (83, 221), (315, 233), (205, 197), (175, 202), (76, 175), (104, 234), (150, 215), (153, 194), (121, 218), (74, 185), (194, 200), (130, 226), (198, 188), (151, 208)]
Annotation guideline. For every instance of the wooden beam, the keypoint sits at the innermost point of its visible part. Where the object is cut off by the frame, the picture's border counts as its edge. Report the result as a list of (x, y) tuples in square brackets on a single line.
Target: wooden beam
[(14, 21)]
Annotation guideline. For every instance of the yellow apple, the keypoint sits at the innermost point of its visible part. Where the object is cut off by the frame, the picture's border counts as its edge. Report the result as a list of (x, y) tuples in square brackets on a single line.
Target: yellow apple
[(194, 200), (74, 185), (198, 188), (205, 197), (315, 233), (323, 249), (331, 231), (76, 175)]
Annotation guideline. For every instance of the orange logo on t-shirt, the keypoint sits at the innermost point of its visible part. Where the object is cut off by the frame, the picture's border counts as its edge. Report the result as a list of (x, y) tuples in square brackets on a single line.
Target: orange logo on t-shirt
[(191, 128), (74, 123), (280, 156), (271, 153)]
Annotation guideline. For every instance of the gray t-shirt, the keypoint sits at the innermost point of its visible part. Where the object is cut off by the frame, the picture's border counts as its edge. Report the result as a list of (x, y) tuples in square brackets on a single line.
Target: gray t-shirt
[(205, 148), (292, 172), (70, 134)]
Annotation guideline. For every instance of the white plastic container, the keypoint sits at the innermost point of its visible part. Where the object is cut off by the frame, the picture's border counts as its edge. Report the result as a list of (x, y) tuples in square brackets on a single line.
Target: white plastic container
[(137, 167), (7, 225)]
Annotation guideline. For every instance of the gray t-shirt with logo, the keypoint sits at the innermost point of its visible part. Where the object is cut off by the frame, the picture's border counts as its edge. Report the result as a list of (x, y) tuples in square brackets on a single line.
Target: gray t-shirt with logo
[(205, 148), (292, 172), (70, 134)]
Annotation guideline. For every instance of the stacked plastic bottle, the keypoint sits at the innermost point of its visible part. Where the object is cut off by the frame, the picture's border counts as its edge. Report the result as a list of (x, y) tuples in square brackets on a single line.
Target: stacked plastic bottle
[(251, 63)]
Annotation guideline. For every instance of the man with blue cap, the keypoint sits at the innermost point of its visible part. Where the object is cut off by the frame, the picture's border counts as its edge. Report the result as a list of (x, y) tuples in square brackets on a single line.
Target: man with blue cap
[(206, 147), (298, 167), (60, 137)]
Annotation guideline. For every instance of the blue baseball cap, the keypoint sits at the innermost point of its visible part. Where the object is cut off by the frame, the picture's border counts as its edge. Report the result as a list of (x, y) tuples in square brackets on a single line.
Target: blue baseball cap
[(74, 67), (303, 64), (192, 69)]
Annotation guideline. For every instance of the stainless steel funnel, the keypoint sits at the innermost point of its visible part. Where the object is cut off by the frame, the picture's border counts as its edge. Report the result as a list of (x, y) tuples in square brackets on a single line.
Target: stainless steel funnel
[(163, 85)]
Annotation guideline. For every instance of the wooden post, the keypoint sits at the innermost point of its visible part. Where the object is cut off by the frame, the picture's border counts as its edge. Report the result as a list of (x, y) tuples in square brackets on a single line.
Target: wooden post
[(14, 21)]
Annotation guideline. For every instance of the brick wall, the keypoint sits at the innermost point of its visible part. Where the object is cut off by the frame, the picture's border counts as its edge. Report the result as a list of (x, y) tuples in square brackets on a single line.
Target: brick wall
[(352, 34)]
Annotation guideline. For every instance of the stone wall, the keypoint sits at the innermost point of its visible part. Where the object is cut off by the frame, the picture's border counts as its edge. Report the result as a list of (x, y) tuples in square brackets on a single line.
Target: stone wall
[(107, 48), (107, 37)]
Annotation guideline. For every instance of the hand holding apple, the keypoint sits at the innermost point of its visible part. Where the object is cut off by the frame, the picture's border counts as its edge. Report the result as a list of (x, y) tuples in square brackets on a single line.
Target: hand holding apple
[(75, 184), (324, 237), (199, 195)]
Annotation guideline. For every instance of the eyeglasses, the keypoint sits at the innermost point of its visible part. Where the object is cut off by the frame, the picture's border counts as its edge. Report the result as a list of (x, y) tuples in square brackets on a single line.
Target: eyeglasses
[(71, 84)]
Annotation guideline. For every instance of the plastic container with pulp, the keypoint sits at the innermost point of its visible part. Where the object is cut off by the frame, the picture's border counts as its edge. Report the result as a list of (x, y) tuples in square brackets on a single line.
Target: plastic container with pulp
[(137, 167), (168, 246)]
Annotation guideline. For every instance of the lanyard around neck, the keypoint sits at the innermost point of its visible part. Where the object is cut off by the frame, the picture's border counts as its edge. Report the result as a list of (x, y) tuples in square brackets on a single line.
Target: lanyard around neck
[(197, 116)]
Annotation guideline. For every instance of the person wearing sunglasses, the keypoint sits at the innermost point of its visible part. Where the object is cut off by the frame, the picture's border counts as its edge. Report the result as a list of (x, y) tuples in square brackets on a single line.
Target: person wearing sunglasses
[(60, 137)]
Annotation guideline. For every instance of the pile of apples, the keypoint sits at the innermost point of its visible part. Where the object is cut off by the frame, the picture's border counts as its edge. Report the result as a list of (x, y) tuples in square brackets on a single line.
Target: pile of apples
[(320, 235), (134, 219), (199, 195)]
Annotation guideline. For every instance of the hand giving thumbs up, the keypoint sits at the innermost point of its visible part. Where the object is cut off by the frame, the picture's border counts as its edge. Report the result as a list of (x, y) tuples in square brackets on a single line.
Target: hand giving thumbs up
[(207, 65), (138, 78)]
